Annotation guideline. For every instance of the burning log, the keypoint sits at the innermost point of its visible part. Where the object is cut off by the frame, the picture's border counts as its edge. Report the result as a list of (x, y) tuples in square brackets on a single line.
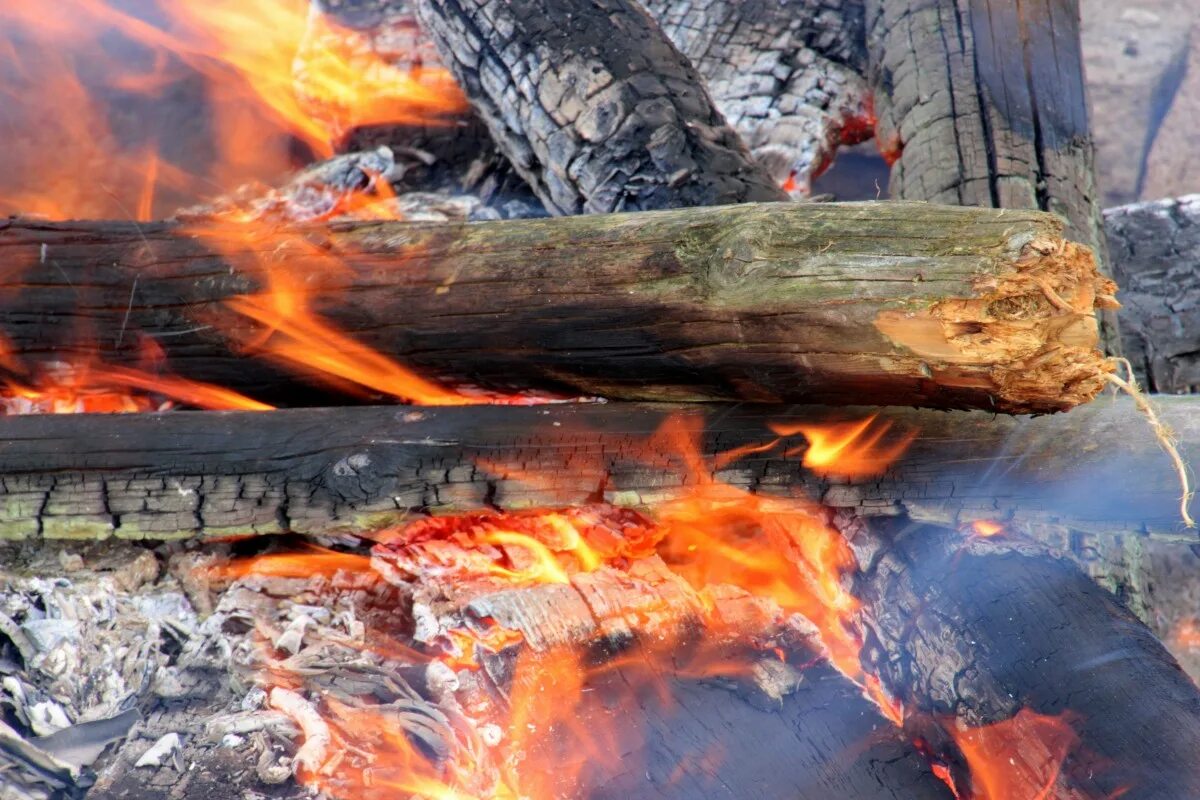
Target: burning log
[(854, 303), (592, 129), (983, 640), (964, 120), (317, 470)]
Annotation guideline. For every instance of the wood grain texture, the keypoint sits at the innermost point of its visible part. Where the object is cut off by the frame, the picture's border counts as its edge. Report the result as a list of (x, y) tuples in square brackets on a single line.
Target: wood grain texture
[(854, 303), (593, 105), (982, 103), (1094, 471)]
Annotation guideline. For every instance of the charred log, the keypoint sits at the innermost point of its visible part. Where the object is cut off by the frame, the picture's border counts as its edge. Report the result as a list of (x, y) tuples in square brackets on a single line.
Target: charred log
[(314, 470), (966, 123), (856, 303), (1156, 258), (969, 634), (788, 76), (621, 126)]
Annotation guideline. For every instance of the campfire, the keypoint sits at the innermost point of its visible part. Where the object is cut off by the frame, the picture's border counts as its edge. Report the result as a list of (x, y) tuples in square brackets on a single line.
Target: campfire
[(416, 399)]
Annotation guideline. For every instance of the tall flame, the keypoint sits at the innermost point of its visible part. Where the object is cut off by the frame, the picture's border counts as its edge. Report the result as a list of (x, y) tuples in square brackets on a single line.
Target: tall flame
[(87, 80)]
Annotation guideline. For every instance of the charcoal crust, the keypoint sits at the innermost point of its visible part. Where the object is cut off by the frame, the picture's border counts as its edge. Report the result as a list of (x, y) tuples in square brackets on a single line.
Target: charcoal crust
[(593, 105)]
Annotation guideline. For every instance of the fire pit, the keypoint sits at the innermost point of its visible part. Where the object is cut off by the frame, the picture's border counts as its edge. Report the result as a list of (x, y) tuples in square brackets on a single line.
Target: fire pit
[(443, 400)]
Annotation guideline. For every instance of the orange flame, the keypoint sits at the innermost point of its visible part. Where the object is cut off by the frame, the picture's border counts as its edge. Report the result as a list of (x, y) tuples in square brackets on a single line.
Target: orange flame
[(310, 560), (985, 529), (1017, 759), (96, 388), (1187, 635), (846, 448)]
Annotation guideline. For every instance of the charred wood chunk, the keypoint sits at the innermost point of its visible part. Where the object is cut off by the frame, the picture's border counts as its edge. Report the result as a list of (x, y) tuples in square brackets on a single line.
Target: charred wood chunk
[(320, 470), (1155, 250), (974, 633), (593, 105), (787, 75)]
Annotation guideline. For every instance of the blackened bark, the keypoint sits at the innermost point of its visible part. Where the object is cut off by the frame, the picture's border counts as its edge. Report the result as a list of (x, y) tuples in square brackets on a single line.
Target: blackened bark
[(593, 105), (970, 633), (318, 470), (981, 102), (1156, 261)]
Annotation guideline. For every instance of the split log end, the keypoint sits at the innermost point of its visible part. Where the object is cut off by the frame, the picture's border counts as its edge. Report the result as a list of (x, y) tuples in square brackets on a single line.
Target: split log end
[(1029, 335)]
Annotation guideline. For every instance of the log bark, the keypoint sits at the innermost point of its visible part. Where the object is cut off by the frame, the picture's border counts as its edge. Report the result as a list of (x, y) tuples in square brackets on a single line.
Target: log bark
[(184, 474), (982, 103), (593, 105), (969, 634), (788, 76), (864, 303), (1156, 259)]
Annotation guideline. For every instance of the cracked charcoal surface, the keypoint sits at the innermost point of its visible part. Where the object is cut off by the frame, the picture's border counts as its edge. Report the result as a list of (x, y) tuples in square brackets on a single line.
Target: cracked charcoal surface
[(593, 106), (981, 630)]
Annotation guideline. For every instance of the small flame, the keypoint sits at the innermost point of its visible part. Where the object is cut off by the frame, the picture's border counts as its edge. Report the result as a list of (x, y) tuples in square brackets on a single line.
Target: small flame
[(1187, 635), (305, 562), (848, 449)]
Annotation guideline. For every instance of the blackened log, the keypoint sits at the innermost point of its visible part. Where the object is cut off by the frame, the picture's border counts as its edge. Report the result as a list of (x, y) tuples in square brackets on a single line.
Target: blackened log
[(970, 633), (182, 474), (593, 105), (683, 739), (982, 103), (855, 303), (788, 76), (1155, 250)]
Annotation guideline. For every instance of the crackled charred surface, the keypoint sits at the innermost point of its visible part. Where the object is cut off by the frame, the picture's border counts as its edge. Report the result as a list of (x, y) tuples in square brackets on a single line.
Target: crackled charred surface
[(841, 303), (976, 631), (967, 122), (593, 105), (788, 76), (313, 470), (1156, 260)]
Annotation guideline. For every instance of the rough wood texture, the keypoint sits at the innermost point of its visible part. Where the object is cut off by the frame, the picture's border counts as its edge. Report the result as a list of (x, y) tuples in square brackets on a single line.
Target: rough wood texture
[(787, 74), (1156, 261), (1030, 631), (981, 102), (593, 105), (840, 303), (1096, 469)]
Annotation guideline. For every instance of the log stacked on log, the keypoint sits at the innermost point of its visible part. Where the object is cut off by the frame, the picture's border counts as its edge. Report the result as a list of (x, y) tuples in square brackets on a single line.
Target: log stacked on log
[(316, 470), (841, 303)]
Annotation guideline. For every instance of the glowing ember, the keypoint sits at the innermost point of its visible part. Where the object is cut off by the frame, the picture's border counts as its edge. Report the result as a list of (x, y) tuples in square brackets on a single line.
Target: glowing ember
[(1017, 759), (59, 388)]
